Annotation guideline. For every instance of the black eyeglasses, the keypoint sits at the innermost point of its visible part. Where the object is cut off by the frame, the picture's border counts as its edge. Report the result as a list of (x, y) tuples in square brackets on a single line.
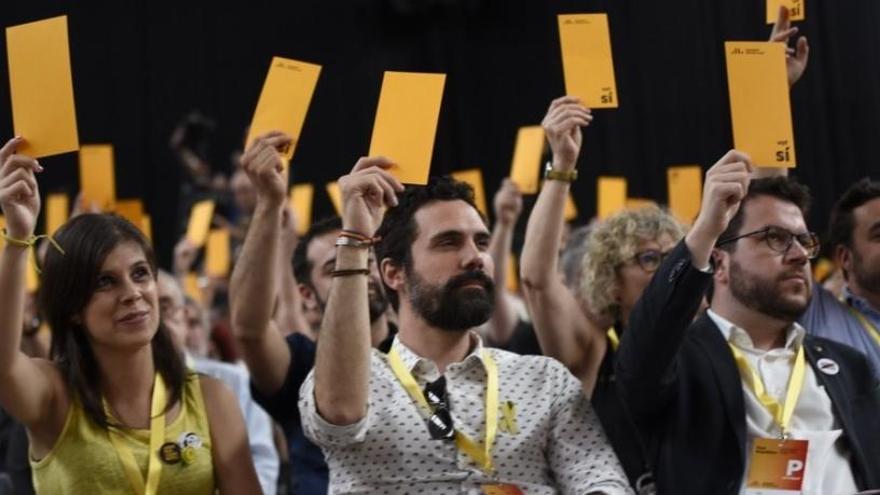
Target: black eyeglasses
[(650, 259), (440, 423), (780, 240)]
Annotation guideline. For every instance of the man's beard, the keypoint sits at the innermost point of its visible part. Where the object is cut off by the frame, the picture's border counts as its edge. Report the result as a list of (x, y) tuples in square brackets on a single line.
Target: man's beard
[(868, 277), (765, 296), (450, 306), (377, 301)]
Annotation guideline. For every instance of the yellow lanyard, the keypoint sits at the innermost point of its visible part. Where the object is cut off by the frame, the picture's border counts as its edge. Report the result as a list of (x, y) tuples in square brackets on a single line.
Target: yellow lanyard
[(157, 436), (481, 455), (869, 327), (781, 412), (613, 338)]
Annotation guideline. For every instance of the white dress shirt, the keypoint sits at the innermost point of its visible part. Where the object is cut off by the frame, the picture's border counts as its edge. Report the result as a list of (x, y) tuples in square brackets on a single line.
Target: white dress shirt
[(560, 446), (828, 470)]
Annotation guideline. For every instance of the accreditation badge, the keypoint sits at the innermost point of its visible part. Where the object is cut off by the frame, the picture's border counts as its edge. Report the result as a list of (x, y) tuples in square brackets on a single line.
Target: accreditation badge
[(777, 467), (501, 489)]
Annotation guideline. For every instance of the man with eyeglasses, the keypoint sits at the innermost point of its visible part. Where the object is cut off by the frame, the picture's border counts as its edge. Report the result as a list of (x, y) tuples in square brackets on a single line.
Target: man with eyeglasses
[(440, 413), (742, 400)]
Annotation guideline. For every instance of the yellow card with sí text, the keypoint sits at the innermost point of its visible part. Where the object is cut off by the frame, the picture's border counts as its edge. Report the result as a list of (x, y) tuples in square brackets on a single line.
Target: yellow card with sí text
[(685, 188), (97, 179), (57, 211), (147, 227), (571, 212), (526, 165), (406, 123), (639, 203), (300, 200), (759, 104), (611, 196), (795, 8), (335, 195), (131, 210), (284, 101), (217, 256), (586, 59), (474, 178), (200, 222), (41, 87)]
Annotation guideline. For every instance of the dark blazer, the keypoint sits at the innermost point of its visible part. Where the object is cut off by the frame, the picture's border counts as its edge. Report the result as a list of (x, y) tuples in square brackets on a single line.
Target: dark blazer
[(681, 383)]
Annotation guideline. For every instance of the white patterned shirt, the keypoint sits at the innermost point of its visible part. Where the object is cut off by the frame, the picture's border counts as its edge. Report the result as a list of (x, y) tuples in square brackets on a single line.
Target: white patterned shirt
[(560, 447)]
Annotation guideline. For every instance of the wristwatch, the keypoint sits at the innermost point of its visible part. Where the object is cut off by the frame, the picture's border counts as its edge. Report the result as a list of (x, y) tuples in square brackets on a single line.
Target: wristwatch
[(551, 174)]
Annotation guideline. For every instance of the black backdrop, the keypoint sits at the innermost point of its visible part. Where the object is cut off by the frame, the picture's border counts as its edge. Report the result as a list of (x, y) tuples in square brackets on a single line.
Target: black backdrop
[(139, 66)]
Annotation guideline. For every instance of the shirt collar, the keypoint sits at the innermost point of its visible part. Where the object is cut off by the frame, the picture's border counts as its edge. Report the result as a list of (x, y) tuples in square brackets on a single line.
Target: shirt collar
[(411, 359), (860, 304), (794, 335)]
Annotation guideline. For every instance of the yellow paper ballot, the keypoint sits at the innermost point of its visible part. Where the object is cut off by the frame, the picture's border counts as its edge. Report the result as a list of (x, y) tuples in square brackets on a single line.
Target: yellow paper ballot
[(759, 104), (284, 101), (97, 180), (217, 255), (474, 178), (639, 203), (147, 227), (193, 288), (586, 59), (300, 200), (406, 123), (41, 87), (685, 188), (335, 196), (32, 277), (796, 10), (132, 210), (512, 274), (57, 211), (571, 212), (611, 196), (526, 165), (200, 222)]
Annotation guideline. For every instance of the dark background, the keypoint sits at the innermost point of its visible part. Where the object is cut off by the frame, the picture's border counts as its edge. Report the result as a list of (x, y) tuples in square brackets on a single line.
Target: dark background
[(140, 66)]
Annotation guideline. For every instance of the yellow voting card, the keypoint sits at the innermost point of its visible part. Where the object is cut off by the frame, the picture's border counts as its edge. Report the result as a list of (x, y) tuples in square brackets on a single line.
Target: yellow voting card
[(132, 210), (611, 196), (685, 189), (474, 178), (406, 123), (512, 274), (217, 255), (526, 165), (759, 104), (571, 212), (32, 276), (586, 59), (41, 87), (97, 180), (200, 222), (284, 101), (300, 200), (335, 196), (57, 211), (639, 203), (193, 288), (795, 10), (147, 227)]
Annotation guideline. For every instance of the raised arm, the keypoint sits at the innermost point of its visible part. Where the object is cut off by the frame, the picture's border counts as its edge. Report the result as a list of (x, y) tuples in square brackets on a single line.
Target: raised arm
[(27, 388), (342, 362), (289, 315), (255, 280), (646, 373), (562, 327), (508, 206)]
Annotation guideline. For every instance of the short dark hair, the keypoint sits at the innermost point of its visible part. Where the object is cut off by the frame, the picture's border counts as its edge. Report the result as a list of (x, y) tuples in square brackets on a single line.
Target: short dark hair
[(783, 188), (843, 222), (398, 229), (302, 267), (67, 283)]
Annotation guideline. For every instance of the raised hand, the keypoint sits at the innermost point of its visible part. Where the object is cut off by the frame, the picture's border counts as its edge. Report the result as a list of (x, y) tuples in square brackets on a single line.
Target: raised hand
[(263, 164), (19, 194), (562, 125), (795, 58), (366, 192), (508, 203), (727, 183)]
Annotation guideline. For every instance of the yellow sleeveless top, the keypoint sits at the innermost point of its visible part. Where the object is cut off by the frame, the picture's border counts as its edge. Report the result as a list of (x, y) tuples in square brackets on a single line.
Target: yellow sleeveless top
[(84, 461)]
